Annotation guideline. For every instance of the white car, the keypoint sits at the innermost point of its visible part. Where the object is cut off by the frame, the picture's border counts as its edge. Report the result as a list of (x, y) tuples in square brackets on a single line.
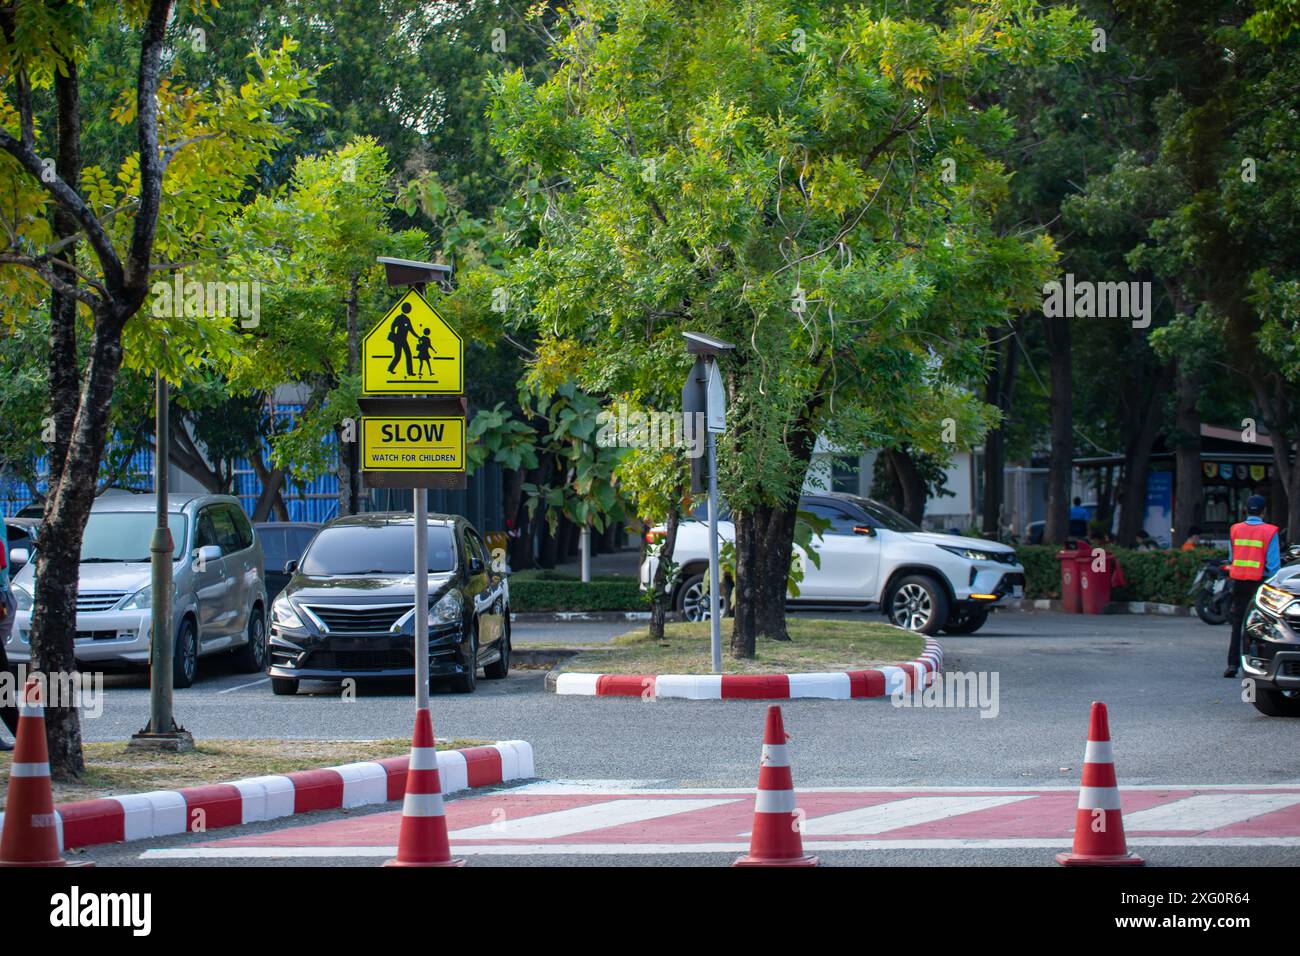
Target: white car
[(871, 556)]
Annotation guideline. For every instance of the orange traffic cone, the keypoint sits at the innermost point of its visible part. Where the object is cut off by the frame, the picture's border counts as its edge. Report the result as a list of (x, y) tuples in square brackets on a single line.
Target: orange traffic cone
[(422, 840), (1098, 822), (777, 839), (31, 830)]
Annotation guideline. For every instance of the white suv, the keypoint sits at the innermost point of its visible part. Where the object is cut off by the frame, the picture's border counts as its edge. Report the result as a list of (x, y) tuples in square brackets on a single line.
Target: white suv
[(871, 556)]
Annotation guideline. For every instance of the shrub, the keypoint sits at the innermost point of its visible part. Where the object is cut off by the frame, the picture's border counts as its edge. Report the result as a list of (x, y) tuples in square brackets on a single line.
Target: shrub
[(606, 592), (1158, 576)]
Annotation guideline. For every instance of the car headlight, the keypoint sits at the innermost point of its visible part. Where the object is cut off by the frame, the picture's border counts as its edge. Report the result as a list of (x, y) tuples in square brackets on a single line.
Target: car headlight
[(1273, 599), (446, 611), (283, 614), (23, 598), (140, 600), (970, 554)]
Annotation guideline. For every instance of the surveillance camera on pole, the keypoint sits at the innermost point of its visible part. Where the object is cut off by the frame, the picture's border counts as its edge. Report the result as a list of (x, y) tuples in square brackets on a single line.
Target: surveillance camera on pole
[(704, 392)]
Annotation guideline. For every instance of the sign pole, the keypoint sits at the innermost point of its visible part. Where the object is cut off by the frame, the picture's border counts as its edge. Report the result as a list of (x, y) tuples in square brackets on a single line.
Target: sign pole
[(715, 608), (421, 496)]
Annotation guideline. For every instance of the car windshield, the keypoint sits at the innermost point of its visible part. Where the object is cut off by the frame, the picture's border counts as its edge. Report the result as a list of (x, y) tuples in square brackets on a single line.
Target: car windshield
[(387, 549), (882, 516), (124, 536)]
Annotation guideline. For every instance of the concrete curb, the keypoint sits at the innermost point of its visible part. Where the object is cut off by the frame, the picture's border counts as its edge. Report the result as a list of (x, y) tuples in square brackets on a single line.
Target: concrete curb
[(842, 685), (140, 816), (1114, 607)]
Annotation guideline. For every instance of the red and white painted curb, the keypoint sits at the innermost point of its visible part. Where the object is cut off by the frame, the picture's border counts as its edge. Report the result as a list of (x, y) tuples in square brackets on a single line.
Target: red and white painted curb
[(842, 685), (139, 816)]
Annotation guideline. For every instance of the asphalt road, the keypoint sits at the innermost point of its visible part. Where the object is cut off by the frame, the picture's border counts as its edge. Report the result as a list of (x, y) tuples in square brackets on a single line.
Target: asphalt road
[(1174, 720)]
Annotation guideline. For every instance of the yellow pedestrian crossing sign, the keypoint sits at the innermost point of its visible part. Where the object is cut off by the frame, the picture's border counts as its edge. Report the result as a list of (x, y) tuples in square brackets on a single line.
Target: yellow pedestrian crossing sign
[(412, 351)]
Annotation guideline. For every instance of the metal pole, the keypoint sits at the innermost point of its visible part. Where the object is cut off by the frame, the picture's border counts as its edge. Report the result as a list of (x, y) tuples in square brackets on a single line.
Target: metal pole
[(584, 549), (421, 598), (160, 556), (715, 612)]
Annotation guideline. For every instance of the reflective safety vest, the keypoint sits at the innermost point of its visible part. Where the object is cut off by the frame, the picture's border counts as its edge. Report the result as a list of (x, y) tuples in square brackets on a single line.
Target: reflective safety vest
[(1249, 549)]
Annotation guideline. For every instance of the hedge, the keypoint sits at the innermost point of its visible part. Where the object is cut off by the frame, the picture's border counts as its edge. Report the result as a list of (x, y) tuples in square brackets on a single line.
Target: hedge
[(1159, 576), (555, 591)]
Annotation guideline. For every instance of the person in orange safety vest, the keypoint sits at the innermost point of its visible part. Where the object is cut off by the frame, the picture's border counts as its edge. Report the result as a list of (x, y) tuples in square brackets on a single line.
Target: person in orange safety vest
[(1253, 556)]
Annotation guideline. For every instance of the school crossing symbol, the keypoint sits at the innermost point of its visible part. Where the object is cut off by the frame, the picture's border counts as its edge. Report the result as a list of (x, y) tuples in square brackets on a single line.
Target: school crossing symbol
[(412, 351)]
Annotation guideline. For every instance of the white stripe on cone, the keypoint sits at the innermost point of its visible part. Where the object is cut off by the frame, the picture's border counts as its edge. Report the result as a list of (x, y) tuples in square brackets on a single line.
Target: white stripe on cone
[(775, 801), (422, 805), (30, 770), (774, 755), (424, 758), (1098, 751), (1098, 798)]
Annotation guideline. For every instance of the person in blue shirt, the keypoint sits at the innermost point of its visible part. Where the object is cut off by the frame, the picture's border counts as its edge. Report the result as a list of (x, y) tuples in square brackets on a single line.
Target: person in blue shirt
[(1254, 556), (8, 606), (1078, 519)]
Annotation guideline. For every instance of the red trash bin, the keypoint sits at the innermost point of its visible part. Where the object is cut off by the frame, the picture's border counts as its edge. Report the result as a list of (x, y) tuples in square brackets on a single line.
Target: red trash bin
[(1094, 584), (1069, 581)]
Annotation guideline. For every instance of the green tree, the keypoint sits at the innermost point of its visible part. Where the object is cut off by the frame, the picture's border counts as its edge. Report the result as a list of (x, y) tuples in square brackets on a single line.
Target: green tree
[(780, 175), (94, 231)]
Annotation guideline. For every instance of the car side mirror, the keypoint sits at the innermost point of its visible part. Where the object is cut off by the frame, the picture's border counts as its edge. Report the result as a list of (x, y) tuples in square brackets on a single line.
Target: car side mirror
[(864, 529), (209, 552), (290, 567), (19, 557)]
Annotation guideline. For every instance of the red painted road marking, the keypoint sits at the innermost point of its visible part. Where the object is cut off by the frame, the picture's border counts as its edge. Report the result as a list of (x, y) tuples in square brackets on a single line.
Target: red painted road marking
[(609, 820)]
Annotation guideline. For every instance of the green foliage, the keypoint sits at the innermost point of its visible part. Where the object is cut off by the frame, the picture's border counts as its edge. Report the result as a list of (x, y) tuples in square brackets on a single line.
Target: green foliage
[(602, 593), (1160, 576)]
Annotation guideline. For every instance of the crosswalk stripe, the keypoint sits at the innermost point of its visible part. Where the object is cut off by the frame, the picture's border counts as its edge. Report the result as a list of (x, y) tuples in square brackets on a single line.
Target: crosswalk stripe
[(1208, 811), (596, 816), (896, 814)]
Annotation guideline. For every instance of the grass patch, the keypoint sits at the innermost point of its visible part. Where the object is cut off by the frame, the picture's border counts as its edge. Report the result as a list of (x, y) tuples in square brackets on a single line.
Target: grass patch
[(813, 646), (112, 769)]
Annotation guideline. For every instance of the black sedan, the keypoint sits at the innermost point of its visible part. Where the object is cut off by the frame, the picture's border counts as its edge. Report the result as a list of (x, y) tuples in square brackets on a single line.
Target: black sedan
[(349, 607)]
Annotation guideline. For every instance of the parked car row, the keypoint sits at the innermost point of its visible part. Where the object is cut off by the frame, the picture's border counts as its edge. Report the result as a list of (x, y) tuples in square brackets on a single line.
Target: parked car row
[(870, 556), (294, 600)]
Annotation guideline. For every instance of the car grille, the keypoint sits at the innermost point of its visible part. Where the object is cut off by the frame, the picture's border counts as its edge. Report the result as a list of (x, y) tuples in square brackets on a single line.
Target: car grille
[(98, 600), (96, 635), (359, 660), (364, 620), (1289, 669)]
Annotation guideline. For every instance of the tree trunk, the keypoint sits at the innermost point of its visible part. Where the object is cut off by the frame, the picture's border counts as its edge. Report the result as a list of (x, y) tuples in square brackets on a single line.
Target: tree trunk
[(272, 481), (347, 470), (58, 565), (1187, 458), (764, 545), (1137, 462), (63, 385), (910, 483), (1060, 466), (662, 585), (997, 392)]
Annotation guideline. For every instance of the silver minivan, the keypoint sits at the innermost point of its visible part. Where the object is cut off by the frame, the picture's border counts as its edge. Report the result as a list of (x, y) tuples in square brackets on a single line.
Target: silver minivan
[(219, 602)]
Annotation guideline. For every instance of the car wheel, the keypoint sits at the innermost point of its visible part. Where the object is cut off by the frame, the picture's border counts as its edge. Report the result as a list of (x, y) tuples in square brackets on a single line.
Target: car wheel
[(692, 601), (284, 686), (251, 658), (500, 669), (966, 621), (185, 655), (1276, 703), (467, 682), (919, 604)]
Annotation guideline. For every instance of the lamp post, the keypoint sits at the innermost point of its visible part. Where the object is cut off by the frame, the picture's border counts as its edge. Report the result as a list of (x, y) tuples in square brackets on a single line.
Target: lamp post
[(162, 731), (704, 392)]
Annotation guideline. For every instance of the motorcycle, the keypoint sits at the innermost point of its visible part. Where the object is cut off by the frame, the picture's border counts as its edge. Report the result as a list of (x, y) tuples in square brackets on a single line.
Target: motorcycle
[(1213, 596), (1213, 589)]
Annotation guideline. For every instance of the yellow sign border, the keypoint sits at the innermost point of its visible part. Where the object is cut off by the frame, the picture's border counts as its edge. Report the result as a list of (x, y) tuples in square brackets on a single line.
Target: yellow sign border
[(369, 419), (413, 388)]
